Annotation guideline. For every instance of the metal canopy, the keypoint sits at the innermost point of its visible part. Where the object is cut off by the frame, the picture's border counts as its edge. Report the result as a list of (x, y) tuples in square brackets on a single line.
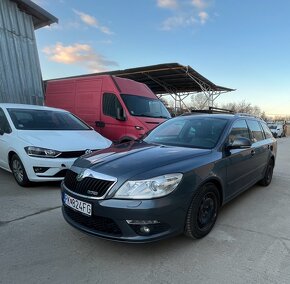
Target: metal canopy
[(40, 17), (172, 79), (175, 80)]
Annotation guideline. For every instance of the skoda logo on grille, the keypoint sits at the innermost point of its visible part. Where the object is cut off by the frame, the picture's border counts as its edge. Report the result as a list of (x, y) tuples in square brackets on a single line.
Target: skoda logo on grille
[(80, 176), (88, 151)]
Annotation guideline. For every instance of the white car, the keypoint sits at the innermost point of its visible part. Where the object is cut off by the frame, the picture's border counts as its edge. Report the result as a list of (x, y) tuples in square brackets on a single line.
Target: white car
[(40, 143), (277, 130)]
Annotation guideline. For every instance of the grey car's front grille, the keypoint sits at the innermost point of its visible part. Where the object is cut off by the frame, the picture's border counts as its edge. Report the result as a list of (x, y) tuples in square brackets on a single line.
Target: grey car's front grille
[(88, 186)]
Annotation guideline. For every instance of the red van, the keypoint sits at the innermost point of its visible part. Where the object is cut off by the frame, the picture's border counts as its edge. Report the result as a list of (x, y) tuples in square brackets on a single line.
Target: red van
[(120, 109)]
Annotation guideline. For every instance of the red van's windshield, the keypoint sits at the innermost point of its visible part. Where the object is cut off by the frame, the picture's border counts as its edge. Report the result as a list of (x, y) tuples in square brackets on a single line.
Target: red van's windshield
[(143, 106)]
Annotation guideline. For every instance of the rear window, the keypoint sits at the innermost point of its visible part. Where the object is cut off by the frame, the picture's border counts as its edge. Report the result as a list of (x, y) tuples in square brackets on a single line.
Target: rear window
[(32, 119)]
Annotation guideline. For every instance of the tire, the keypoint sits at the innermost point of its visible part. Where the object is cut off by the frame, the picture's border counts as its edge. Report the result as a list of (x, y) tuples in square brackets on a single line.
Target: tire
[(266, 180), (203, 211), (19, 172)]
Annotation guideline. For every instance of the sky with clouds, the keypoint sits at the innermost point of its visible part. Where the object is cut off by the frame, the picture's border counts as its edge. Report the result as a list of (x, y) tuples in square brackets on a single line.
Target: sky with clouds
[(244, 45)]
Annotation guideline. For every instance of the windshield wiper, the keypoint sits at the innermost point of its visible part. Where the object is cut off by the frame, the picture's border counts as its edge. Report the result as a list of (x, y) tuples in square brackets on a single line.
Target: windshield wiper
[(153, 116), (161, 116)]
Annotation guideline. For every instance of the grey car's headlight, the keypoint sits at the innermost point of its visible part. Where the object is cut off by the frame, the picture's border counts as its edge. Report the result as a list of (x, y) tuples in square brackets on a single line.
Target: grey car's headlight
[(41, 152), (149, 188)]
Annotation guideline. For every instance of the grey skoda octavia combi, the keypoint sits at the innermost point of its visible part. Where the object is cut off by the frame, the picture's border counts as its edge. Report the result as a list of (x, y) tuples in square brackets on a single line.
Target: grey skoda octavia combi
[(173, 181)]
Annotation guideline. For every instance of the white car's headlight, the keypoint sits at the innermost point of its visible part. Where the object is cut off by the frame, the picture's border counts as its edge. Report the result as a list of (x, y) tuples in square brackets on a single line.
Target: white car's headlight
[(41, 152), (149, 188)]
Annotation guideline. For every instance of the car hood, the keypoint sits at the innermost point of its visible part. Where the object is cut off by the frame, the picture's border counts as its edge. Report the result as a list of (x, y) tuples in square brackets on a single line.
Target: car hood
[(135, 158), (149, 122), (64, 140)]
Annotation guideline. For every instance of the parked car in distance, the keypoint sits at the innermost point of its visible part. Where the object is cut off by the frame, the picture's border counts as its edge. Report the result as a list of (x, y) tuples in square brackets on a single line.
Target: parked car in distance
[(40, 143), (277, 130), (118, 108), (174, 181)]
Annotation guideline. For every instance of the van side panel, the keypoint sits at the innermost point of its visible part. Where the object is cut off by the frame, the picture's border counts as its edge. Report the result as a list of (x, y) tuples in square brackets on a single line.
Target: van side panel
[(61, 94), (87, 100), (80, 96)]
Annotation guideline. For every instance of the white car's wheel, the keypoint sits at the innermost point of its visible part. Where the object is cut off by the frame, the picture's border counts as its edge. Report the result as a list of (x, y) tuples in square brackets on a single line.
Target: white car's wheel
[(19, 172)]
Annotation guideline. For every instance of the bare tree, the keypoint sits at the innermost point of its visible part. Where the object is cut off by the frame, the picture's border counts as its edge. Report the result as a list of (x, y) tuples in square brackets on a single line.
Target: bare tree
[(199, 101), (244, 107)]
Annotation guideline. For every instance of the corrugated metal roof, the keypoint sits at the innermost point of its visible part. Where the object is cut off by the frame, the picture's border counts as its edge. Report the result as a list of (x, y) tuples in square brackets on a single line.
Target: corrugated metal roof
[(166, 77), (40, 17), (172, 76)]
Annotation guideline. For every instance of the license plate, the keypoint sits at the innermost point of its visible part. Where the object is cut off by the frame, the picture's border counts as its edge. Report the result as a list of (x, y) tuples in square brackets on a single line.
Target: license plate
[(78, 205)]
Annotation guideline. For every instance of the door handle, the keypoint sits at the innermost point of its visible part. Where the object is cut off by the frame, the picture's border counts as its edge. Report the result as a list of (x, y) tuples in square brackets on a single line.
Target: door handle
[(253, 152), (100, 124), (270, 147)]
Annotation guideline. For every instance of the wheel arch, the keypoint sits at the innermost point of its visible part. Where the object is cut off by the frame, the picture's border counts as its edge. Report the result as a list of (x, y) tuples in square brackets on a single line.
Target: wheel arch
[(125, 139), (10, 155), (218, 185), (273, 159)]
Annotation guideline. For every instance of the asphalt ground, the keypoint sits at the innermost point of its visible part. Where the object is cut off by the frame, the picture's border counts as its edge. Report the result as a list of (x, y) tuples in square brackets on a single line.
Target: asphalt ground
[(249, 244)]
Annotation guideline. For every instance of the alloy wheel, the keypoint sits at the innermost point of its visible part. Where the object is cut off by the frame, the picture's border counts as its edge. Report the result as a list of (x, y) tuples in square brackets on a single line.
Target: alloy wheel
[(17, 170)]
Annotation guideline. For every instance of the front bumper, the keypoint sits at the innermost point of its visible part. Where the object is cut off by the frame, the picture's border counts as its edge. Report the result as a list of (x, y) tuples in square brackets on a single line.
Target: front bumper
[(56, 168), (109, 217)]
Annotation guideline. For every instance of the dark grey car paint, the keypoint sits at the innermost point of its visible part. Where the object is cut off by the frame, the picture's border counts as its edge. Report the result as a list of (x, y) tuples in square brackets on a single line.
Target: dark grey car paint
[(233, 171)]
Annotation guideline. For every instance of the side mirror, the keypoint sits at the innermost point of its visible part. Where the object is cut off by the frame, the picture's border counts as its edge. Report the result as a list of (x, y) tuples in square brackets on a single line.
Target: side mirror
[(240, 143), (120, 114)]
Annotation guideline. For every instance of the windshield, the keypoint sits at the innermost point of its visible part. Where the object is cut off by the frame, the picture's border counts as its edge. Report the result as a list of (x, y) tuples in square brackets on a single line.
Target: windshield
[(33, 119), (142, 106), (201, 132)]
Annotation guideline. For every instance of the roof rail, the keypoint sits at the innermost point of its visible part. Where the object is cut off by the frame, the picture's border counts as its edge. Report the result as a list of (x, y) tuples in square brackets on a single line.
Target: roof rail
[(247, 114), (212, 110)]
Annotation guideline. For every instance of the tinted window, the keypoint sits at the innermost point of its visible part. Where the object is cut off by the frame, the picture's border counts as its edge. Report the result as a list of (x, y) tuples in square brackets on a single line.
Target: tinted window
[(110, 105), (195, 132), (4, 125), (32, 119), (142, 106), (239, 129), (266, 129), (256, 131)]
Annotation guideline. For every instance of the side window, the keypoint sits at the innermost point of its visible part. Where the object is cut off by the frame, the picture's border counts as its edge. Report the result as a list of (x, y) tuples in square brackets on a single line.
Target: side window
[(4, 125), (256, 131), (267, 131), (110, 105), (239, 129)]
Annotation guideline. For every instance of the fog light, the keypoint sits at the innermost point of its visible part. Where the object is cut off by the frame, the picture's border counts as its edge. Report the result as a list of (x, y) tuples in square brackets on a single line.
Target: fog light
[(142, 222), (145, 230), (40, 170)]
